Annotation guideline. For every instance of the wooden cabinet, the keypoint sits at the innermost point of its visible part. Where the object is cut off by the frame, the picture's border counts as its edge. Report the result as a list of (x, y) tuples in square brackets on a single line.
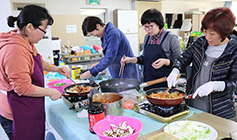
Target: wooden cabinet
[(196, 20), (126, 20)]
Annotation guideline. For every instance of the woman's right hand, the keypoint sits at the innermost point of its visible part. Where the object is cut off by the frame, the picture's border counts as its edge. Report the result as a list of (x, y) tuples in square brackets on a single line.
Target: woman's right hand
[(126, 59), (172, 78), (55, 94)]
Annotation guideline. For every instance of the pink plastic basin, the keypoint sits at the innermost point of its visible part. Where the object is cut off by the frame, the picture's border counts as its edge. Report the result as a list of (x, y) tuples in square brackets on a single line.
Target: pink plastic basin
[(104, 125), (59, 88)]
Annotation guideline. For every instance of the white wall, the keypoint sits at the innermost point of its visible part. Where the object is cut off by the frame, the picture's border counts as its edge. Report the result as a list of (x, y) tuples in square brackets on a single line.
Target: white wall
[(73, 6), (234, 9), (5, 11), (184, 6), (58, 7)]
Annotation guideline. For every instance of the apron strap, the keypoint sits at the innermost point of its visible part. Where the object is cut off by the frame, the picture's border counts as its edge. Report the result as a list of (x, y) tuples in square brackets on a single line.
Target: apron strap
[(164, 37)]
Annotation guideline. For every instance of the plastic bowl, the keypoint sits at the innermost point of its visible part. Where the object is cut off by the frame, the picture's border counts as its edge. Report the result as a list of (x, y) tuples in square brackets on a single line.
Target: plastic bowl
[(59, 88), (104, 125)]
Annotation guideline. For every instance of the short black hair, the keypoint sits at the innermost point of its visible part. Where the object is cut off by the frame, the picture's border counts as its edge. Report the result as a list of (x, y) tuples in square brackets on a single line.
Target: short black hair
[(30, 14), (89, 24), (153, 15)]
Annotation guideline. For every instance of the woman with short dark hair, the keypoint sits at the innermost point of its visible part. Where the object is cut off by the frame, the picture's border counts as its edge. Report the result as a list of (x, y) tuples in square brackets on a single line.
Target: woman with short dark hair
[(214, 65), (161, 48), (21, 75)]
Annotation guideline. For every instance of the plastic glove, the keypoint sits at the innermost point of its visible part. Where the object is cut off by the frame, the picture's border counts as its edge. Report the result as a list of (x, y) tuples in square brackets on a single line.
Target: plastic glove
[(172, 78), (209, 87)]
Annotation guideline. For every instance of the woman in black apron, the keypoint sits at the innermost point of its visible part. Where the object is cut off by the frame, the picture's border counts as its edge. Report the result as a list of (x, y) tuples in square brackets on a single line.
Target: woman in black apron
[(161, 47)]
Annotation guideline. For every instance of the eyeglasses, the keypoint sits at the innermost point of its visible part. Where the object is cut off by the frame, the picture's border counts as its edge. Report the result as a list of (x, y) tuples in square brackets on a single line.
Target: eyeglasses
[(148, 27), (42, 30)]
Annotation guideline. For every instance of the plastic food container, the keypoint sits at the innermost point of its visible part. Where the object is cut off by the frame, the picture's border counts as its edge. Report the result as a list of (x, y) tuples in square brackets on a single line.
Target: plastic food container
[(162, 136), (104, 125), (59, 88), (129, 100)]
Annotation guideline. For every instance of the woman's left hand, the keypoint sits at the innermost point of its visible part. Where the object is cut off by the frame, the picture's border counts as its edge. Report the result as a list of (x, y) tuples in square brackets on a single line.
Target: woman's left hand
[(64, 71), (160, 62), (209, 87), (86, 75)]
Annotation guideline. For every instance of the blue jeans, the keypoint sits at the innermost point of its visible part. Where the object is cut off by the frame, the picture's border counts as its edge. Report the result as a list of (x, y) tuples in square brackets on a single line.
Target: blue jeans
[(7, 126)]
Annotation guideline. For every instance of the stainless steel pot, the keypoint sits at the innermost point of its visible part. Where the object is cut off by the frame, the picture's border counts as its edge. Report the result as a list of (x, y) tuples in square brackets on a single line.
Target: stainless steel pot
[(115, 105)]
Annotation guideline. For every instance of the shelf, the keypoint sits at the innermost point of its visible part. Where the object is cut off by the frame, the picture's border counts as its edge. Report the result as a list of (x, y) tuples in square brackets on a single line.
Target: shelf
[(69, 59)]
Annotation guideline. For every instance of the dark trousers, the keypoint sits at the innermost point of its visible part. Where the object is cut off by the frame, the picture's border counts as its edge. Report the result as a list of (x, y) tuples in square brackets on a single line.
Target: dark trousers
[(7, 126)]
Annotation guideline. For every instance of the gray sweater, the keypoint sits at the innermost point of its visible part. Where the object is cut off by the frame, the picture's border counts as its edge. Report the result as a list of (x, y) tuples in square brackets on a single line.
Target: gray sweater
[(171, 46)]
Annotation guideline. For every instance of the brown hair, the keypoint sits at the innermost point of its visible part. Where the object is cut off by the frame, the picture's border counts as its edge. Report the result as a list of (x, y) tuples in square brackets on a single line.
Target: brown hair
[(221, 20)]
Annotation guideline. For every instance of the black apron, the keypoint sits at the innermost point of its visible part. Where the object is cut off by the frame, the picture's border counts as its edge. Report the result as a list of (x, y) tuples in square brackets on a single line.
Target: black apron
[(152, 52)]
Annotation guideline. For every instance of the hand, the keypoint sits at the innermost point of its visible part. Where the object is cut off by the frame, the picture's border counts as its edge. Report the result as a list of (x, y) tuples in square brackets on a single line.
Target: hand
[(55, 95), (86, 75), (126, 59), (95, 64), (160, 62), (64, 71), (172, 78), (209, 87), (204, 89)]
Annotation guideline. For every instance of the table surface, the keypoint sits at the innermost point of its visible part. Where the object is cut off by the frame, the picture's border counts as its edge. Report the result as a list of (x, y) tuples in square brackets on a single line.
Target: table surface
[(70, 127), (223, 126)]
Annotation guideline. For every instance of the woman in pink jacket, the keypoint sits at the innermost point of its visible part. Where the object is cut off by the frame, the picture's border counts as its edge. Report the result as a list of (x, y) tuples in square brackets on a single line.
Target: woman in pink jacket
[(21, 75)]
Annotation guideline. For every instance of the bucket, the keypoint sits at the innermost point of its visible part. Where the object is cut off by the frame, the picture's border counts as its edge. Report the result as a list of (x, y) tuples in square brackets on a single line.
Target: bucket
[(113, 103)]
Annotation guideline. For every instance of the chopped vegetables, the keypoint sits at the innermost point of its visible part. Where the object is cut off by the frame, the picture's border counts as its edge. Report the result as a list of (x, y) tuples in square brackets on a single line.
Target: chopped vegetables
[(164, 95), (189, 131), (81, 89), (59, 84), (119, 131)]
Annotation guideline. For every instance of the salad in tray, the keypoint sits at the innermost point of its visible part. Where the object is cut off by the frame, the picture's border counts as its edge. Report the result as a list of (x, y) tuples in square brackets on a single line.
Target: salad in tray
[(191, 130)]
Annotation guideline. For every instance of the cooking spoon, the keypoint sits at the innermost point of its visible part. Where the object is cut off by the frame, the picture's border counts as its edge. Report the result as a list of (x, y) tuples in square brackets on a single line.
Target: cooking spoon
[(71, 79)]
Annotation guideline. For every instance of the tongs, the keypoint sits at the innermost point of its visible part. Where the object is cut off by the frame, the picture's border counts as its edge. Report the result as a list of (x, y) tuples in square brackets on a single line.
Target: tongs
[(121, 69)]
